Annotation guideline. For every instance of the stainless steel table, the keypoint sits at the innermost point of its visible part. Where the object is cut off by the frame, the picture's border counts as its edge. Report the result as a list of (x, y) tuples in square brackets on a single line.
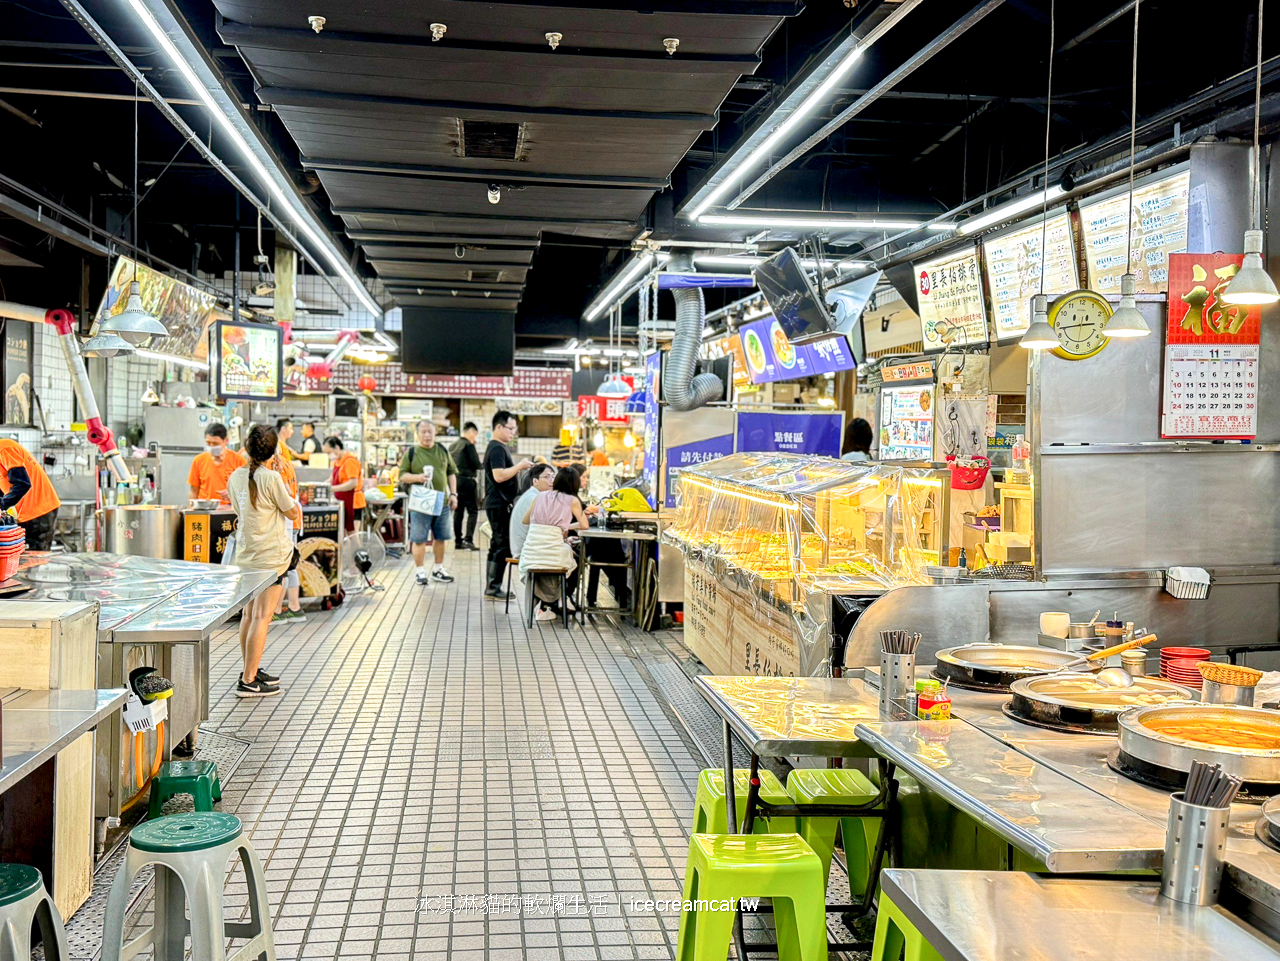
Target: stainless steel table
[(39, 724), (999, 915), (584, 565)]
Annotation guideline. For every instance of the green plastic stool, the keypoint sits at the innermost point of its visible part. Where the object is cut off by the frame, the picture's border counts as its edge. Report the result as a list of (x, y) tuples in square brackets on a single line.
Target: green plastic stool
[(24, 901), (838, 786), (191, 854), (726, 867), (896, 937), (197, 778), (711, 810)]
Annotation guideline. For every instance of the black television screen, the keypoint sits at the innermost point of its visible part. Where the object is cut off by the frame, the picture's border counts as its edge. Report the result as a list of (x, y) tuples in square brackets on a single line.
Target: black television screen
[(792, 298), (449, 341)]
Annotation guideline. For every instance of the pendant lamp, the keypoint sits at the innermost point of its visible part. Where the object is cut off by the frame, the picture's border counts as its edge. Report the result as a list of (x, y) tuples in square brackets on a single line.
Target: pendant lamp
[(1253, 287), (1040, 336), (107, 345), (1128, 321)]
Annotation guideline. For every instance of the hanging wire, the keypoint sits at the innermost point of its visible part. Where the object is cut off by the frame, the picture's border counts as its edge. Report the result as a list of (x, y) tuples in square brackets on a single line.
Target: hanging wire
[(133, 216), (1133, 140), (1048, 118), (1256, 222)]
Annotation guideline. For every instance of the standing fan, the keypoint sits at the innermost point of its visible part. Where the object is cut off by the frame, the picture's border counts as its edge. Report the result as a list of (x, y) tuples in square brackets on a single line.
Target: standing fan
[(363, 555)]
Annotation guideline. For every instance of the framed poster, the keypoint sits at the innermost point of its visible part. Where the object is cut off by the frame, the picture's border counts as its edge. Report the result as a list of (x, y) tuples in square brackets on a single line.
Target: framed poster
[(186, 311), (950, 289), (18, 373), (1211, 353), (1158, 220), (906, 423), (1013, 270), (248, 361)]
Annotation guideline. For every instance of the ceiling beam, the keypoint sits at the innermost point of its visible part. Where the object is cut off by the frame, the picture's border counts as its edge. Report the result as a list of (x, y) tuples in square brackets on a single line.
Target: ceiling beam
[(474, 265), (416, 239), (460, 285), (351, 43), (502, 175), (296, 97), (732, 8), (496, 218), (444, 255)]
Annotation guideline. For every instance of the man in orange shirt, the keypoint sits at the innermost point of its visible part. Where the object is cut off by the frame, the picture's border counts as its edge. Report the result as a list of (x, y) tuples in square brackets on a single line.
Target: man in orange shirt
[(348, 481), (28, 494), (210, 470)]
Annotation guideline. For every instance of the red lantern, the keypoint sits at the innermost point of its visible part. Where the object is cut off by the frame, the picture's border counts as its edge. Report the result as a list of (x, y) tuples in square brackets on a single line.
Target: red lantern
[(367, 384)]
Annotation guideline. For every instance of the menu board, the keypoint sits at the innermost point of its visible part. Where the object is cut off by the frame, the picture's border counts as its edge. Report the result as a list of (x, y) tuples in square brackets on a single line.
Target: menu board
[(906, 422), (248, 362), (1158, 220), (1013, 270), (18, 373), (771, 356), (186, 311), (1211, 352), (950, 289)]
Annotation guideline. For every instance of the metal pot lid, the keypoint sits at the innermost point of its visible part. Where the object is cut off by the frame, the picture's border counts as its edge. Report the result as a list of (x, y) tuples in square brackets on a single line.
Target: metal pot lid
[(1006, 658), (1271, 814), (1082, 691), (1244, 740)]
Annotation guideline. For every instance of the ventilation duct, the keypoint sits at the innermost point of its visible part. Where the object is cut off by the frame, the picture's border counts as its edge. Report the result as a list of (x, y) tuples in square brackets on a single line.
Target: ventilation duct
[(680, 388)]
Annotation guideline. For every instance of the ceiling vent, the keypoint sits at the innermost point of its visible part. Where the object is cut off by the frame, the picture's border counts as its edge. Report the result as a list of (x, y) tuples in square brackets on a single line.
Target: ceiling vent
[(491, 141), (484, 276)]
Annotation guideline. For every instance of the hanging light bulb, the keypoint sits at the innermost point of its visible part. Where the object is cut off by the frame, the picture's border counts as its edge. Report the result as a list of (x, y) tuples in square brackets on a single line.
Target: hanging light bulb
[(149, 396), (1127, 321), (1252, 286), (134, 324), (598, 440), (628, 440), (107, 345), (1039, 336)]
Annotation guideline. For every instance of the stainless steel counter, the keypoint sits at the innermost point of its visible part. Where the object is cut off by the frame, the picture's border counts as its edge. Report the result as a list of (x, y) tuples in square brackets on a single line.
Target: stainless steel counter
[(39, 724), (997, 915)]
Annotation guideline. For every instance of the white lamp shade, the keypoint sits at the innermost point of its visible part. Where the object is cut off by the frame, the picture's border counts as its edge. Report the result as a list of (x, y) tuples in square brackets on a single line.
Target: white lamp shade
[(1252, 286), (134, 324), (1040, 336), (107, 345), (1127, 321)]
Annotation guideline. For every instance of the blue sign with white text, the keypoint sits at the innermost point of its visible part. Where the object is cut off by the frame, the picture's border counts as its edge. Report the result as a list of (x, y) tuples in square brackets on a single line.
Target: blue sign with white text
[(652, 414), (791, 433), (692, 454)]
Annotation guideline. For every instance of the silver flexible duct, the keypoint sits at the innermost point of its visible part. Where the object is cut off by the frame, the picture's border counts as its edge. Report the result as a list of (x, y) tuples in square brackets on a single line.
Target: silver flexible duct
[(681, 390)]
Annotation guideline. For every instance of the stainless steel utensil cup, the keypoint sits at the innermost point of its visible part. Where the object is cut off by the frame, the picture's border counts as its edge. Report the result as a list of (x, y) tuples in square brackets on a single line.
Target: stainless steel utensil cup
[(1194, 845), (1215, 692), (897, 679), (1135, 662)]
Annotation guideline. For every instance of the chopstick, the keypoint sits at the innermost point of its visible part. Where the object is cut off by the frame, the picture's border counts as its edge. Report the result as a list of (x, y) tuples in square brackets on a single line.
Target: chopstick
[(899, 642), (1208, 787)]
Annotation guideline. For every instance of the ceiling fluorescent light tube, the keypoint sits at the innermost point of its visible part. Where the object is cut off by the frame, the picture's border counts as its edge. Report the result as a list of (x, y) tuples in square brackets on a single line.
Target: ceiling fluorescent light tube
[(817, 222), (624, 279), (171, 359), (1011, 209)]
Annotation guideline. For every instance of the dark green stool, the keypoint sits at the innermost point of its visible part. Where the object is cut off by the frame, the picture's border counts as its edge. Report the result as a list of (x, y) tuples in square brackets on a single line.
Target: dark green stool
[(24, 904), (197, 778)]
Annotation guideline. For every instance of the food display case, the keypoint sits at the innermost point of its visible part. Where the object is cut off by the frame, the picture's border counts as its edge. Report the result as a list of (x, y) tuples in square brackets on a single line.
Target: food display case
[(769, 538)]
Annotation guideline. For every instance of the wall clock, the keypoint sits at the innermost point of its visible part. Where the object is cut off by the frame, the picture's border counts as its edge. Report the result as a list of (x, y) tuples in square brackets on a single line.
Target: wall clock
[(1079, 318)]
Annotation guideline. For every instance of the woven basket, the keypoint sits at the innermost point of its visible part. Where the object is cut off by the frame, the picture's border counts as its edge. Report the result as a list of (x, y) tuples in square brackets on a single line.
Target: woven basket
[(312, 579), (1233, 674), (309, 545)]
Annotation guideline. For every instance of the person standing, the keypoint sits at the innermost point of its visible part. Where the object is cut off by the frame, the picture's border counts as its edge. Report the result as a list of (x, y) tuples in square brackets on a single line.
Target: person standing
[(28, 494), (429, 463), (348, 481), (310, 443), (263, 504), (284, 430), (282, 464), (210, 470), (500, 474), (467, 459)]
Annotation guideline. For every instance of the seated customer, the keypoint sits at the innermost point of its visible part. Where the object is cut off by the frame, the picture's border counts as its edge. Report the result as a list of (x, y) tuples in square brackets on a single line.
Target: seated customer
[(554, 514), (532, 483)]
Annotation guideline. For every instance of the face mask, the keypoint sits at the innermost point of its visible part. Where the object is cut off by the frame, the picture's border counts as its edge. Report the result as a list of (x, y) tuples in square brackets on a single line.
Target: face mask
[(216, 451)]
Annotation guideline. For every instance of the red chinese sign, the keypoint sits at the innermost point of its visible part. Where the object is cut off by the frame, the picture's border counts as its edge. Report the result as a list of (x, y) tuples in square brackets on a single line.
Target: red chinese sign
[(555, 383), (604, 410), (1211, 352)]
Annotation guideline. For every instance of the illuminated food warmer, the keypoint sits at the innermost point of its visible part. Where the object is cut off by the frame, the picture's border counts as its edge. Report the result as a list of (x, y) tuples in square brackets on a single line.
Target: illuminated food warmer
[(770, 539)]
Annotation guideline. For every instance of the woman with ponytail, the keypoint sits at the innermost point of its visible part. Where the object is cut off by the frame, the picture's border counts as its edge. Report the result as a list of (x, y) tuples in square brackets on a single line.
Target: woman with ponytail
[(263, 503)]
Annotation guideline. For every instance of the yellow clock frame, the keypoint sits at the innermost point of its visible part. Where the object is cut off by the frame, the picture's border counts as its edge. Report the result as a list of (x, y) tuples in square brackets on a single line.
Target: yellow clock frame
[(1065, 301)]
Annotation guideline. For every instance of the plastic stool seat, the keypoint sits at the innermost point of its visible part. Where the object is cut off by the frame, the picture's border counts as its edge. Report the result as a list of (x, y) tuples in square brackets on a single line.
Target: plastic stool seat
[(896, 937), (179, 833), (199, 778), (18, 881), (711, 809), (838, 786)]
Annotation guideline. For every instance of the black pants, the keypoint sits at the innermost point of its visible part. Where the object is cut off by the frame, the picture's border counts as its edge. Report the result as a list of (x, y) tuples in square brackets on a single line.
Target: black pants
[(499, 543), (40, 531), (607, 551), (466, 507)]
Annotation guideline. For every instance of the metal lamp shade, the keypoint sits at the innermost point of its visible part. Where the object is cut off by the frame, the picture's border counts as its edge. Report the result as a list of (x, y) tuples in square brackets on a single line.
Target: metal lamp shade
[(1127, 321), (107, 345), (134, 324), (1039, 336), (1253, 286)]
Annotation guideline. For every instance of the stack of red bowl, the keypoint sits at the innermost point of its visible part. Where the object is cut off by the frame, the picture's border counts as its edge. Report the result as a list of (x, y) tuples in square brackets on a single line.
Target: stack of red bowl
[(13, 541), (1178, 664)]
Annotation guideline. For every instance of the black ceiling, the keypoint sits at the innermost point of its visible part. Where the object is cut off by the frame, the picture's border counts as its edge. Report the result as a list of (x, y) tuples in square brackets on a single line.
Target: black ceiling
[(379, 109)]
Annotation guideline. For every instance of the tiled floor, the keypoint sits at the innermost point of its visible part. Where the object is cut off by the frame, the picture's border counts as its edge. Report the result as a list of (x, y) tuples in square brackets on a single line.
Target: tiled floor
[(437, 782)]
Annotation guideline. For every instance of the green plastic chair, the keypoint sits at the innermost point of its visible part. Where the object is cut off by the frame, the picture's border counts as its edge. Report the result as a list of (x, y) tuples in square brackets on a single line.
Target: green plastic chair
[(724, 868), (197, 778), (896, 937), (25, 901), (711, 809), (838, 786)]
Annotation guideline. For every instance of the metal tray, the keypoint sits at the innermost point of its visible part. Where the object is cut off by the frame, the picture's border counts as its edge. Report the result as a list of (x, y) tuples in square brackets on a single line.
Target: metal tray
[(993, 667), (1258, 766), (1049, 701)]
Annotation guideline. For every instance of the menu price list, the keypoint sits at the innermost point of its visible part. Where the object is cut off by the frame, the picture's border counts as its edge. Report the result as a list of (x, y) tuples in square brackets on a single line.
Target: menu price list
[(1210, 391)]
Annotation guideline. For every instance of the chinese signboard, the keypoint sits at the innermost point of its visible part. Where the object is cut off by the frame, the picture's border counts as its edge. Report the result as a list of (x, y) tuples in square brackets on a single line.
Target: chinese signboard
[(1013, 270), (1211, 352), (18, 373), (770, 356), (1158, 221), (555, 383), (691, 455), (649, 466), (922, 370), (605, 410), (792, 433), (950, 289)]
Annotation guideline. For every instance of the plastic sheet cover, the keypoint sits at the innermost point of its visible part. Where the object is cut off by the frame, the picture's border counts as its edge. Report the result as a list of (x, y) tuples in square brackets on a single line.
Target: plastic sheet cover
[(784, 532)]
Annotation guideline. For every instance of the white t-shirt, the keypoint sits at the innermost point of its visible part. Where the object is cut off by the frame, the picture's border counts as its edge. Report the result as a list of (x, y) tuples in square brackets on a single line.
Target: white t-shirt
[(519, 529), (262, 539)]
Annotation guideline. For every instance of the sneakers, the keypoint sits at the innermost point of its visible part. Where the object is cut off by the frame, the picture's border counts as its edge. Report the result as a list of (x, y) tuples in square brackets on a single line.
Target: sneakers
[(263, 675), (280, 618), (545, 614), (295, 617), (442, 576), (258, 688), (422, 577)]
